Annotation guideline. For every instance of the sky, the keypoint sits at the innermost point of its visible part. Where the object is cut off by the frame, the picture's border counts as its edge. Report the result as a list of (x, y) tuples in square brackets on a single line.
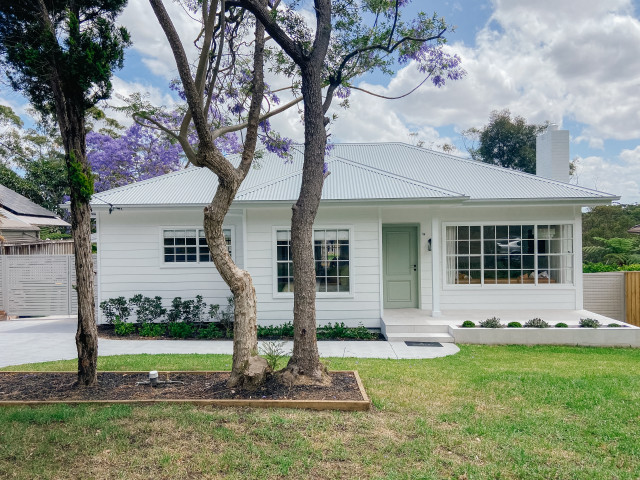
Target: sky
[(570, 62)]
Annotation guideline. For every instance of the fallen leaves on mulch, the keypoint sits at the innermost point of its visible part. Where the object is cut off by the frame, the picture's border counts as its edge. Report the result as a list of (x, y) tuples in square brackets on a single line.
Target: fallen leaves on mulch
[(57, 386)]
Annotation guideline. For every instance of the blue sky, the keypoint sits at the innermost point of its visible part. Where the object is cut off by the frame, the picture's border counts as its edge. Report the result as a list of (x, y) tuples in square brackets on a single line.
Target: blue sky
[(572, 62)]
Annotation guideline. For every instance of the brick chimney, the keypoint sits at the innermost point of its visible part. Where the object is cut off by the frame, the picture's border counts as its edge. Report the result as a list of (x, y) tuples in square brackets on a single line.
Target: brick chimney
[(552, 154)]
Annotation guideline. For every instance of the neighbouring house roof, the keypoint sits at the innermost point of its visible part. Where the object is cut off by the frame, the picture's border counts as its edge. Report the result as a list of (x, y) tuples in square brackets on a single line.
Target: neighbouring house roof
[(10, 221), (635, 229), (24, 210), (365, 172)]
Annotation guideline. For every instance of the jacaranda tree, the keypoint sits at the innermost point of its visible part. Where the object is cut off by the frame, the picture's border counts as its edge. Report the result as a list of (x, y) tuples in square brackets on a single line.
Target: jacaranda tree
[(225, 93), (348, 38), (60, 54)]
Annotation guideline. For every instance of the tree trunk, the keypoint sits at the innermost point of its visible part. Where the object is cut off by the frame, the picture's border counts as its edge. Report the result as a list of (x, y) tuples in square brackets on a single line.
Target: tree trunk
[(81, 186), (248, 370), (87, 333), (305, 360)]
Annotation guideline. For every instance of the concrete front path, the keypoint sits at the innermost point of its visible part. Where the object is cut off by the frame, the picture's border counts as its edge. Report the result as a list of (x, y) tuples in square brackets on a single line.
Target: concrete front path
[(53, 338)]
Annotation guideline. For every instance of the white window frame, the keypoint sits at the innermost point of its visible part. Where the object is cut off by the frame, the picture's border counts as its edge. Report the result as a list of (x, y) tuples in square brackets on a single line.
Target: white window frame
[(319, 295), (197, 264), (510, 286)]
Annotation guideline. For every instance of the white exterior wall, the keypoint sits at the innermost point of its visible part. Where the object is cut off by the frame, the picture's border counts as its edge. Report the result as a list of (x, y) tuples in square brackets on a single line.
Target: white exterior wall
[(538, 297), (362, 306), (130, 257)]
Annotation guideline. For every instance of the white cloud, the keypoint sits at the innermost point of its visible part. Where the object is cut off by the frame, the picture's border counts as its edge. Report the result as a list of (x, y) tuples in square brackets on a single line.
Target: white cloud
[(618, 177), (122, 88), (544, 60), (150, 41)]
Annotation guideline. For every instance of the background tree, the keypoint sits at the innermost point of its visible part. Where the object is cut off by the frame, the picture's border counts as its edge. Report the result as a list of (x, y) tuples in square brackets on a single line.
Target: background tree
[(505, 141), (225, 93), (60, 54), (348, 39)]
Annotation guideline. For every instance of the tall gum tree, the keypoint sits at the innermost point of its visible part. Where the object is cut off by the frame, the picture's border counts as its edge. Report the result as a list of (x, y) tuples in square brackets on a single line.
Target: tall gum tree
[(225, 93), (60, 54), (348, 39)]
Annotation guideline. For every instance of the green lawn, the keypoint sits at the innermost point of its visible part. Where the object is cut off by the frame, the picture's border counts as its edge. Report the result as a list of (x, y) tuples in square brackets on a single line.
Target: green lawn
[(488, 412)]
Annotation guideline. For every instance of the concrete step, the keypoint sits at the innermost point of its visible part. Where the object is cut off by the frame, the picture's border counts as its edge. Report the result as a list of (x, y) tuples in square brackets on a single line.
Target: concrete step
[(414, 328), (419, 337)]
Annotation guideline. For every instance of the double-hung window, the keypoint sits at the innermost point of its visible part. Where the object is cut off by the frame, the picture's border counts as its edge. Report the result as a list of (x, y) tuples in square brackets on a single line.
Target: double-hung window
[(509, 254), (189, 245), (331, 255)]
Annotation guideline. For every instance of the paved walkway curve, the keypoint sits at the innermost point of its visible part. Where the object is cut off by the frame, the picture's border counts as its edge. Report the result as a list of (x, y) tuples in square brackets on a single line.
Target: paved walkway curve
[(43, 340)]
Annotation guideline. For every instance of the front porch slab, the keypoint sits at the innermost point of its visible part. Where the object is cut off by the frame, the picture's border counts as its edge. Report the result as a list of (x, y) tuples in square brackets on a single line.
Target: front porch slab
[(421, 325)]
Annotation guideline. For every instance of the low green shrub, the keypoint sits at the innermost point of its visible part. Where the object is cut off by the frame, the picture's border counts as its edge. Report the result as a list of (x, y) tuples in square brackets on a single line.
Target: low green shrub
[(536, 323), (340, 330), (123, 329), (561, 325), (211, 330), (468, 324), (614, 325), (148, 310), (225, 316), (514, 325), (493, 322), (115, 309), (589, 323), (152, 330), (284, 330), (180, 330), (186, 311)]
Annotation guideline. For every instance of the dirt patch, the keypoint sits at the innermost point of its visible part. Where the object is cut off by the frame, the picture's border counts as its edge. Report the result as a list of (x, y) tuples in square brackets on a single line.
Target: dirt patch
[(60, 386)]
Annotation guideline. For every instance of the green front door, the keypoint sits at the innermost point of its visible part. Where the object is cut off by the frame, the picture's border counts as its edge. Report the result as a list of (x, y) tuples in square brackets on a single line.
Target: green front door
[(400, 266)]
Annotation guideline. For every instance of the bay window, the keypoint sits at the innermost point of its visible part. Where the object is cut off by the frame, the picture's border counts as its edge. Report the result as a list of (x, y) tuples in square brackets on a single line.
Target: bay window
[(509, 254)]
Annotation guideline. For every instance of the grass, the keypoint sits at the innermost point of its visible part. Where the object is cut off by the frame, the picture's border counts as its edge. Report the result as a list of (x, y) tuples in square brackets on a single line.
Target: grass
[(488, 412)]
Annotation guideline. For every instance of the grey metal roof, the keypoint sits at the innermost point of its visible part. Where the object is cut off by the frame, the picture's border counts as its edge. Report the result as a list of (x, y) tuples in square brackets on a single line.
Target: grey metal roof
[(378, 171), (20, 205)]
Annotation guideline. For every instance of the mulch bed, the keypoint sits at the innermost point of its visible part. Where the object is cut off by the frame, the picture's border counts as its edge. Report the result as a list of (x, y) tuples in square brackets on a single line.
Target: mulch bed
[(119, 386)]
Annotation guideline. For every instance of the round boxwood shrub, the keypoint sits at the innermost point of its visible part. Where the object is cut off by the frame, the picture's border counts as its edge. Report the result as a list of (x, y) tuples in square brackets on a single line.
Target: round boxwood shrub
[(589, 323), (493, 322), (514, 325), (536, 323), (468, 324), (614, 325), (561, 325)]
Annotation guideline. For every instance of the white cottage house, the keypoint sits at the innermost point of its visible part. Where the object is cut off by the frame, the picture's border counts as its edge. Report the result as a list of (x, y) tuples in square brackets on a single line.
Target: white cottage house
[(401, 232)]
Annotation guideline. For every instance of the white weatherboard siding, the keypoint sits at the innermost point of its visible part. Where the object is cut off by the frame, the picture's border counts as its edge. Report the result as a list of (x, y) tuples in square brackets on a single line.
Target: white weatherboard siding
[(361, 306), (130, 256), (470, 297)]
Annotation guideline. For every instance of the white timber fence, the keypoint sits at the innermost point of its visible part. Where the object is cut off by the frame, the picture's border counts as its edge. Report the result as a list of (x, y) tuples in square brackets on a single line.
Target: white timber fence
[(38, 285), (604, 293)]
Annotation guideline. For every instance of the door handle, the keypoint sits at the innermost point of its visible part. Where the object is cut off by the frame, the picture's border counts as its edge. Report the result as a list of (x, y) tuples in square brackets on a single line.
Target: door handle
[(415, 268)]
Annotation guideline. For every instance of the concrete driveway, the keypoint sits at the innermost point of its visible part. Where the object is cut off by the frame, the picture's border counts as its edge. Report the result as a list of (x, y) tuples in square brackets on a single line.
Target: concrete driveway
[(53, 338)]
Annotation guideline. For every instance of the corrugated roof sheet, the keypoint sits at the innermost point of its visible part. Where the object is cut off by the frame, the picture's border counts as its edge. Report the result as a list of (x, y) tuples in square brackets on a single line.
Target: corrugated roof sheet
[(358, 172), (20, 205)]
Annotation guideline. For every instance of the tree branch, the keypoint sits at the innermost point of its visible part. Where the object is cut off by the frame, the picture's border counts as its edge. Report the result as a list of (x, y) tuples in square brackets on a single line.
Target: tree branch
[(181, 139), (234, 128)]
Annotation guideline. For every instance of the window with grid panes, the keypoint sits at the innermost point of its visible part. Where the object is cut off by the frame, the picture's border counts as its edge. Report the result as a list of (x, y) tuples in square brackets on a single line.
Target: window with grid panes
[(189, 245), (331, 255), (509, 254)]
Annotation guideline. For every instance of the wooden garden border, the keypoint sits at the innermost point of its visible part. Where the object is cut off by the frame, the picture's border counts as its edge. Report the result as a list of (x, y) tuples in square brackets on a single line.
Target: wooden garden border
[(344, 405)]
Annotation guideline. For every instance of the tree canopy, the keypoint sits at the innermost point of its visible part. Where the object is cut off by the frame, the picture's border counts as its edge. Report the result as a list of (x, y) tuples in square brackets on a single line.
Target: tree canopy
[(505, 141)]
